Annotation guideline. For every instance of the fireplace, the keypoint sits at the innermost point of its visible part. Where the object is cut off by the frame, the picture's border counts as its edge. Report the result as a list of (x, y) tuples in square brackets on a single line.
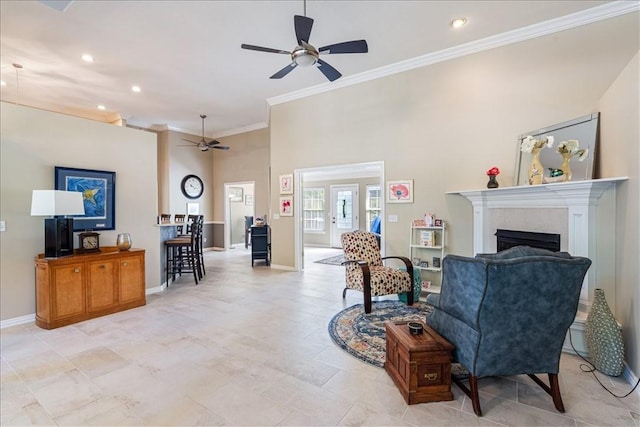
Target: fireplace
[(509, 238), (581, 212)]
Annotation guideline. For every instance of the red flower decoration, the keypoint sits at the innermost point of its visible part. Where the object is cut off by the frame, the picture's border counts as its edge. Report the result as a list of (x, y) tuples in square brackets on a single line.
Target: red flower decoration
[(493, 171)]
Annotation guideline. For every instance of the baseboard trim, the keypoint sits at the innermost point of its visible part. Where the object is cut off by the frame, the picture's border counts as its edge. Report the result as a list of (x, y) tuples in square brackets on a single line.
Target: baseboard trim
[(630, 377), (156, 289), (29, 318), (282, 267)]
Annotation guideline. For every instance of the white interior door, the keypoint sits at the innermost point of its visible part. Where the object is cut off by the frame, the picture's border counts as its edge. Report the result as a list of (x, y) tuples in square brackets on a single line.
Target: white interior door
[(344, 211)]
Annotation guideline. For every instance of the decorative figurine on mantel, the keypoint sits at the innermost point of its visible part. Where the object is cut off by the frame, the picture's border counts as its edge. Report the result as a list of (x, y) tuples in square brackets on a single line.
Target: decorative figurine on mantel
[(568, 149), (533, 146)]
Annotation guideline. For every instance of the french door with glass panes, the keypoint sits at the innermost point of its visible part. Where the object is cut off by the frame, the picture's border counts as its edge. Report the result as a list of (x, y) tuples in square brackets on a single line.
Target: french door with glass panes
[(344, 212)]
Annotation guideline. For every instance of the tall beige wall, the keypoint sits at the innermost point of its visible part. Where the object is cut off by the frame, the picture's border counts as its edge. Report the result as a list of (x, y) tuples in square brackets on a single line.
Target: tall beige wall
[(246, 161), (620, 156), (444, 125), (32, 143), (186, 159)]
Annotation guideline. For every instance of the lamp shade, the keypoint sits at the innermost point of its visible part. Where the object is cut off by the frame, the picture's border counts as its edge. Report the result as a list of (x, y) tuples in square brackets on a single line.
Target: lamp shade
[(56, 202)]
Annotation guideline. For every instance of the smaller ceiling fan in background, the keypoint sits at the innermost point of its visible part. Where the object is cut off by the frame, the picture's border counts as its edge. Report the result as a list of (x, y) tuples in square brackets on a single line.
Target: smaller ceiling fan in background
[(304, 54), (203, 144)]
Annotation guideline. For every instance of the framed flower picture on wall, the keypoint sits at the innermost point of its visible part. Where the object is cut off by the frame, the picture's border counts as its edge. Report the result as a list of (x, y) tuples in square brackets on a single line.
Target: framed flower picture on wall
[(400, 191), (286, 206), (286, 184)]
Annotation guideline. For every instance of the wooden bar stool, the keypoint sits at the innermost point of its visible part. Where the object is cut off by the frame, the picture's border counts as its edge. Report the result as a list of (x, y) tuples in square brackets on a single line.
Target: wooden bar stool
[(179, 219), (182, 256)]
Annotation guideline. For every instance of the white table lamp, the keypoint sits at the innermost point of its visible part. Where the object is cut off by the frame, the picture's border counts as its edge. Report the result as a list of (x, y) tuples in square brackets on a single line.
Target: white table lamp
[(58, 230)]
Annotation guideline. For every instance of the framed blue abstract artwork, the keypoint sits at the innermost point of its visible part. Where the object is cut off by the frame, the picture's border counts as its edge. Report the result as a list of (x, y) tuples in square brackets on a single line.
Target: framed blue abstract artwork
[(98, 190)]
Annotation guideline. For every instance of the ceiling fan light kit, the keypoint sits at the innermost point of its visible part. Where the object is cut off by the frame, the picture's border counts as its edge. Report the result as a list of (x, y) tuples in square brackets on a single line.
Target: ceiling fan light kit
[(305, 55)]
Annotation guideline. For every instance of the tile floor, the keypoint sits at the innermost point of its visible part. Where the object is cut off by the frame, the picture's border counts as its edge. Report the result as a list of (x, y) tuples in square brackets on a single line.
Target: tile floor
[(249, 346)]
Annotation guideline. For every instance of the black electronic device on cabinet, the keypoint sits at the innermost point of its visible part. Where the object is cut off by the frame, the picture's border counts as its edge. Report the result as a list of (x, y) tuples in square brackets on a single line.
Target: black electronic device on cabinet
[(58, 237)]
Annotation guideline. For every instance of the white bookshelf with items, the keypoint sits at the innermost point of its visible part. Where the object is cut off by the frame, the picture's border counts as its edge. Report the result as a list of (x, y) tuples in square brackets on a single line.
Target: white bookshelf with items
[(427, 248)]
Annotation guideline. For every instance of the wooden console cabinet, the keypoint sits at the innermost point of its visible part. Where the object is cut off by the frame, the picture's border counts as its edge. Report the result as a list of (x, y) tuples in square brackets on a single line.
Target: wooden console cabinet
[(83, 286)]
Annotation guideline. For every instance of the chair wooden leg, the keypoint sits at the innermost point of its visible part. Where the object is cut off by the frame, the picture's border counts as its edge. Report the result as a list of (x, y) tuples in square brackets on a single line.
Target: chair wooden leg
[(344, 293), (475, 399), (553, 389), (471, 391), (367, 298), (555, 392)]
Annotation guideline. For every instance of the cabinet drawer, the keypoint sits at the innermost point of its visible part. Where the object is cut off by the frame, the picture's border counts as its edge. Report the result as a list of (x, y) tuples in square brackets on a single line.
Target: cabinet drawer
[(430, 375)]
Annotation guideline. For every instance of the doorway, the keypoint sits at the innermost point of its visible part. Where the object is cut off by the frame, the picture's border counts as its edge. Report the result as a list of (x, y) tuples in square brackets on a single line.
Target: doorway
[(347, 174), (344, 212), (239, 198)]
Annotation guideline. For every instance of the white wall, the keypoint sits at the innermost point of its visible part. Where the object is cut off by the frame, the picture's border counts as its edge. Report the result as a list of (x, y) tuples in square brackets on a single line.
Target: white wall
[(620, 156), (32, 143)]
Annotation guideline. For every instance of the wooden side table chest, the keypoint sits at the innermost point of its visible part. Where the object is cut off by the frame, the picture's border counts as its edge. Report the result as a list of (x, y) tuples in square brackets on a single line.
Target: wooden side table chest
[(420, 365)]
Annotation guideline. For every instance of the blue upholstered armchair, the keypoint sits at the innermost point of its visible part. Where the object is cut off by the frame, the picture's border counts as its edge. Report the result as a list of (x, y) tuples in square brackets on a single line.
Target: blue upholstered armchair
[(508, 313)]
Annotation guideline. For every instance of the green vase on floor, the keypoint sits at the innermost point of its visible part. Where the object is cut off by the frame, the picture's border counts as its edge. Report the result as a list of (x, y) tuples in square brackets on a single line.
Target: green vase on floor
[(604, 337)]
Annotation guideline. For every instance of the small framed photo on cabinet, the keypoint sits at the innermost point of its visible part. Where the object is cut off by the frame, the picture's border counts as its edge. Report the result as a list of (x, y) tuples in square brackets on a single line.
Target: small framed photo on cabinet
[(436, 262), (438, 223)]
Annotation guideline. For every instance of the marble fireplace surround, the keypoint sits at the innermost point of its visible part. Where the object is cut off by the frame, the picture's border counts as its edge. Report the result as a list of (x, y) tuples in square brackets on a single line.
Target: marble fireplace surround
[(582, 212)]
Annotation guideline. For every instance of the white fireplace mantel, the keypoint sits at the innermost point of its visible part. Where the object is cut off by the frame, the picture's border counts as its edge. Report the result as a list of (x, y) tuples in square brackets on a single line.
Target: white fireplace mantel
[(588, 224)]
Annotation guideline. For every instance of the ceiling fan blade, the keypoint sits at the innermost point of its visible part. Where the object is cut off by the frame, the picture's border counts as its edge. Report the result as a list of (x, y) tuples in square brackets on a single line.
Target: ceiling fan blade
[(303, 27), (264, 49), (354, 46), (188, 140), (220, 147), (328, 71), (212, 143), (286, 70)]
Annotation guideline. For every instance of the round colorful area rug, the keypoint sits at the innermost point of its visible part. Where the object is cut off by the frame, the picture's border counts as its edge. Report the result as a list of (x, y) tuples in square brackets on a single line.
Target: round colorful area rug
[(363, 335)]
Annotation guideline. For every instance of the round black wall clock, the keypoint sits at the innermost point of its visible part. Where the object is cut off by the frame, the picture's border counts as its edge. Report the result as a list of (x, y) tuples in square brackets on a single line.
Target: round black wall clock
[(192, 186)]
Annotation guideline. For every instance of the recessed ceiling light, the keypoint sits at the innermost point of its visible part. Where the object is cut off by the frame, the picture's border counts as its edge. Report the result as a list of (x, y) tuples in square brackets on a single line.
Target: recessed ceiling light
[(87, 58), (101, 107), (136, 89), (3, 83), (457, 23)]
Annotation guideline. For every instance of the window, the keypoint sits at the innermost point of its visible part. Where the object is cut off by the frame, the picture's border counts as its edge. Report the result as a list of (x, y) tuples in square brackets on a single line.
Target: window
[(313, 209), (374, 206)]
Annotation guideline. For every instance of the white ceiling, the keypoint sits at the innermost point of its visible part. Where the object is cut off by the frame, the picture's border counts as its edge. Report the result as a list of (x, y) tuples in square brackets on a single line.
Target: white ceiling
[(186, 55)]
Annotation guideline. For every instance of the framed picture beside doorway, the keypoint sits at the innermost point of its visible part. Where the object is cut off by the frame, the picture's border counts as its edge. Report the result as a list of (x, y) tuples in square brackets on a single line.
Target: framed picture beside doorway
[(286, 184), (400, 191), (286, 206)]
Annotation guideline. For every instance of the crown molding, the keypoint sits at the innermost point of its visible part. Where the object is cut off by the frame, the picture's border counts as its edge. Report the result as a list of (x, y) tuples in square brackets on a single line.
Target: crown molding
[(585, 17), (244, 129)]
